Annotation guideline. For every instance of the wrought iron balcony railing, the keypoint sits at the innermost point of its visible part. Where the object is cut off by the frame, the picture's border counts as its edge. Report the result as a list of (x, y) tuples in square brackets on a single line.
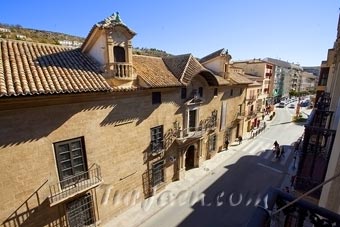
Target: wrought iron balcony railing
[(183, 134), (75, 185), (251, 114), (251, 98), (240, 115), (268, 75), (279, 209)]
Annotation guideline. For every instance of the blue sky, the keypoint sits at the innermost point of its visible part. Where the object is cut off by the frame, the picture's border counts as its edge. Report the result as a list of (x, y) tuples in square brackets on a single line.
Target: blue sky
[(299, 31)]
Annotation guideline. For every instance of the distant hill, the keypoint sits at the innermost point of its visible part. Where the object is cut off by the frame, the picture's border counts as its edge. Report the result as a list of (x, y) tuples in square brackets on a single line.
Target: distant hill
[(17, 32), (312, 69)]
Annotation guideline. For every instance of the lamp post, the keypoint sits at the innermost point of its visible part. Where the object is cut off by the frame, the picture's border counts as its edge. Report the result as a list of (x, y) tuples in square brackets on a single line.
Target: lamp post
[(299, 97)]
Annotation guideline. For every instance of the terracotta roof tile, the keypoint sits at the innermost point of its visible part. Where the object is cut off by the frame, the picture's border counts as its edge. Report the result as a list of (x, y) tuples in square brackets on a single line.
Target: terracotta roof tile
[(222, 81), (213, 55), (30, 68), (239, 78), (185, 67), (154, 72)]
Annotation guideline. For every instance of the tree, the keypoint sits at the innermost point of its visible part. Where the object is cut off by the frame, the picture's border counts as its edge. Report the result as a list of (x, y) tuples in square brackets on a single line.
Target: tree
[(293, 93)]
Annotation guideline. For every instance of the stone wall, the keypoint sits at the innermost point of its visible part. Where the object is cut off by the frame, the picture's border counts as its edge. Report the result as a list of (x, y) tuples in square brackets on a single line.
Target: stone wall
[(116, 133)]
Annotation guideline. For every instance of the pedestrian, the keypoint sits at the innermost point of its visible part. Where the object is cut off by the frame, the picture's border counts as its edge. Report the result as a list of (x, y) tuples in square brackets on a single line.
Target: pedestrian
[(277, 152), (226, 143), (239, 139), (262, 117)]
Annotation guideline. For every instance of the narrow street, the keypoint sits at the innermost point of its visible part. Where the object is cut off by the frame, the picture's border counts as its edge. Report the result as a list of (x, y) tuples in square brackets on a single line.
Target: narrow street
[(228, 195)]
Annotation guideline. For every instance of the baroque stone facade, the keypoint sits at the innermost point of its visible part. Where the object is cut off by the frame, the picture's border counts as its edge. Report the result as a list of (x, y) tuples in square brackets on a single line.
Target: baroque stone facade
[(81, 127)]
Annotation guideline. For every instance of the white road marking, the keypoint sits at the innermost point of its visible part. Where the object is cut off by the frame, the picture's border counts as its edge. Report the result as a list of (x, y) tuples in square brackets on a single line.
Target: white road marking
[(268, 167)]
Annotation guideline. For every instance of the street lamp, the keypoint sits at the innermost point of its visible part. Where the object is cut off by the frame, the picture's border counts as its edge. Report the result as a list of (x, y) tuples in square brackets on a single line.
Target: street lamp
[(299, 97)]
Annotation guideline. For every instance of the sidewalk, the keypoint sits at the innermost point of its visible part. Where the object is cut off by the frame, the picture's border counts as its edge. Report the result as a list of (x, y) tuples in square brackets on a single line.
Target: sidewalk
[(142, 211)]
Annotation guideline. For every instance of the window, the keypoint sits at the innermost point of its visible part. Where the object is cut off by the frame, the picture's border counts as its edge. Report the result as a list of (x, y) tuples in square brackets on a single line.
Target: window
[(231, 92), (71, 161), (80, 211), (192, 120), (212, 142), (157, 139), (119, 54), (158, 172), (215, 91), (223, 114), (156, 98), (241, 91), (183, 93), (200, 91)]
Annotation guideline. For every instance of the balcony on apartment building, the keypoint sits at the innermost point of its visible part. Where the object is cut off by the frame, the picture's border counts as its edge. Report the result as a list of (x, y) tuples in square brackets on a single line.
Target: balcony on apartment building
[(278, 208), (240, 115), (75, 185), (268, 75), (251, 98), (120, 70), (316, 148), (251, 114), (266, 90)]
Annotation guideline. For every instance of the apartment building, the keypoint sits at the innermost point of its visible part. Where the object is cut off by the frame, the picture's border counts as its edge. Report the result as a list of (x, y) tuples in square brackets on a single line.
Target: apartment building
[(316, 199), (320, 155), (330, 198), (83, 127), (263, 70)]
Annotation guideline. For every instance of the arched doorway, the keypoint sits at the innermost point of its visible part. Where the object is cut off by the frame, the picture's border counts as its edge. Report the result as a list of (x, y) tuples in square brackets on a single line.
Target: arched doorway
[(190, 158)]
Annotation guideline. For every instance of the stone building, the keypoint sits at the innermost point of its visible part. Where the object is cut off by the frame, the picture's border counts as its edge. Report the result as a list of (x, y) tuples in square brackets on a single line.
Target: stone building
[(253, 105), (264, 70), (80, 127)]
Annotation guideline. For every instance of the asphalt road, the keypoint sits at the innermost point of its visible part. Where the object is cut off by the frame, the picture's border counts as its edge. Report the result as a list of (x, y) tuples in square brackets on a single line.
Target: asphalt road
[(229, 195)]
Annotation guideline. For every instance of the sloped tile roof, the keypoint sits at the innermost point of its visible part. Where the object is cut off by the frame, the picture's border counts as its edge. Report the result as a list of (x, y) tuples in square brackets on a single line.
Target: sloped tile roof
[(154, 72), (239, 78), (222, 81), (177, 64), (213, 55), (254, 77), (185, 67), (30, 68), (278, 62)]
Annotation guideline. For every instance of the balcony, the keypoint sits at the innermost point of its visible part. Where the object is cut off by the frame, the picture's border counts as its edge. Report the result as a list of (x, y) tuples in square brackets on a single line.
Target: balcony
[(282, 209), (205, 126), (251, 114), (251, 98), (323, 101), (75, 185), (240, 115), (120, 71), (189, 133)]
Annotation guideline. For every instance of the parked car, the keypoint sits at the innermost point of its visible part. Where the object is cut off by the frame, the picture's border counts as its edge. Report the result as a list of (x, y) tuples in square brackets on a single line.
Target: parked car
[(291, 106), (281, 105)]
